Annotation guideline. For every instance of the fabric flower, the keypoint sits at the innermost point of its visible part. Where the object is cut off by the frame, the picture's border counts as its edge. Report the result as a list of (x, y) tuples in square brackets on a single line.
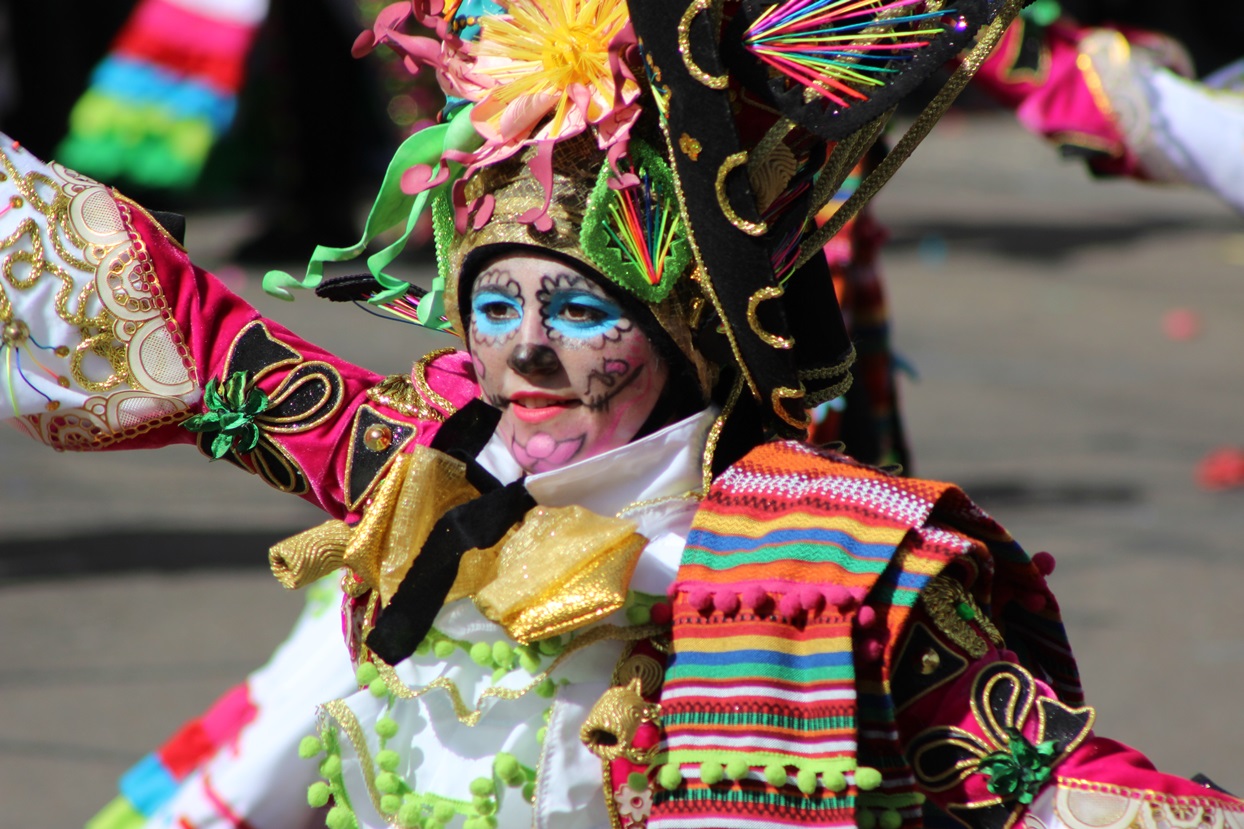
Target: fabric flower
[(555, 71), (633, 806), (1021, 769), (230, 414)]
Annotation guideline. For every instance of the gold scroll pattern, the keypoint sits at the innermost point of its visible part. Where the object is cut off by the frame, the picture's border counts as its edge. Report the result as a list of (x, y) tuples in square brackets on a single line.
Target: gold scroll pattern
[(73, 277)]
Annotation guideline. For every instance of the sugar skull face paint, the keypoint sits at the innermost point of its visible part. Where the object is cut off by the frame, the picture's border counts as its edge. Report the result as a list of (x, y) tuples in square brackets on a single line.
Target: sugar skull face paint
[(572, 373)]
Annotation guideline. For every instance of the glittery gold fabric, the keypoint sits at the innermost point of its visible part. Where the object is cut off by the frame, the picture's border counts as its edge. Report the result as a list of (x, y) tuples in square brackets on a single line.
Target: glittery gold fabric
[(563, 568), (310, 555), (421, 487)]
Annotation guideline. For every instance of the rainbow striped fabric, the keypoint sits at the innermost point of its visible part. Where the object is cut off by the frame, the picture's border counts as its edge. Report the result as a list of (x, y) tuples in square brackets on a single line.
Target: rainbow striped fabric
[(799, 574), (165, 92)]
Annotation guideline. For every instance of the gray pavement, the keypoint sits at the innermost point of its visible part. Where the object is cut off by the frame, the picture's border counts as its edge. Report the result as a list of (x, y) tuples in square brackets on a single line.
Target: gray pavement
[(1030, 299)]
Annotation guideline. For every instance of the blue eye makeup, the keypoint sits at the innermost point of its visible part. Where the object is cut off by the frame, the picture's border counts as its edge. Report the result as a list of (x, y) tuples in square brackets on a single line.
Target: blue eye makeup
[(581, 315), (494, 313)]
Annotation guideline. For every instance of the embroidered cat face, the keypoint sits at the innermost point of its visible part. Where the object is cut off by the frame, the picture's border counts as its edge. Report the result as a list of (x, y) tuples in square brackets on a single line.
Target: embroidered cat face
[(571, 372)]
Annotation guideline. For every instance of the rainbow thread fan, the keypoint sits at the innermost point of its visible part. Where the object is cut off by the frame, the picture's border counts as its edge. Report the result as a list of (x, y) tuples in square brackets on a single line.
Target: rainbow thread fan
[(857, 57), (834, 47)]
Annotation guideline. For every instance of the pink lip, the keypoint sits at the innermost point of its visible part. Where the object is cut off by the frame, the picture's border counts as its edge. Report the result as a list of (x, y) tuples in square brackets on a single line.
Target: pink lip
[(550, 407)]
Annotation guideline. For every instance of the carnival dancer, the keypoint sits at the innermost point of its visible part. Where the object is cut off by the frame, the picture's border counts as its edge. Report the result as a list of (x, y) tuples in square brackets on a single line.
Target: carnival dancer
[(593, 576)]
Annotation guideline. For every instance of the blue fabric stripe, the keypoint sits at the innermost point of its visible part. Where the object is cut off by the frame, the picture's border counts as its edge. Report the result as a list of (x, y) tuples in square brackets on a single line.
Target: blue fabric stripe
[(760, 657), (147, 785), (810, 535), (143, 83)]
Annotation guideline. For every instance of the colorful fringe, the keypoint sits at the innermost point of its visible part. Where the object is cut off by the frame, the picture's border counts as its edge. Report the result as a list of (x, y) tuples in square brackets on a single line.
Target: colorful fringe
[(799, 576), (164, 94), (155, 779)]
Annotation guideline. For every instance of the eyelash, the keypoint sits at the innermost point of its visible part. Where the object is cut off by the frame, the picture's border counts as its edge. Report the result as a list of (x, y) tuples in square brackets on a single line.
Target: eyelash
[(599, 313)]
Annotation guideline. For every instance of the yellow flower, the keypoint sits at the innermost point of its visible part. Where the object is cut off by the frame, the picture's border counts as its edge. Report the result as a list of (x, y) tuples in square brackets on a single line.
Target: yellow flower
[(551, 57)]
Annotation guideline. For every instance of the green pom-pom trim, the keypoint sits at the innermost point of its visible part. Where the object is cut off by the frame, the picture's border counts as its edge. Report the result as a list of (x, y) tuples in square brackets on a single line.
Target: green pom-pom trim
[(541, 734), (670, 776), (366, 674), (386, 728), (867, 779), (388, 760), (865, 819), (806, 781), (775, 775), (443, 813), (331, 767), (637, 782), (484, 806), (508, 769), (835, 781), (528, 659), (378, 689), (737, 769), (317, 795), (481, 654), (503, 655), (390, 803), (388, 782), (443, 649), (339, 817), (551, 647), (890, 819), (546, 688), (529, 791), (711, 773), (637, 614), (310, 747), (410, 816), (483, 787), (595, 234)]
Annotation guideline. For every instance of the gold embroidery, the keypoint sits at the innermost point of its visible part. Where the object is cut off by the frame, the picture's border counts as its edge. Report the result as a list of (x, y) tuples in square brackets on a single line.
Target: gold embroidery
[(419, 375), (942, 597), (783, 393), (690, 147), (684, 46), (397, 392), (349, 725), (723, 198), (610, 728), (637, 666), (714, 435), (310, 555), (753, 302), (769, 174)]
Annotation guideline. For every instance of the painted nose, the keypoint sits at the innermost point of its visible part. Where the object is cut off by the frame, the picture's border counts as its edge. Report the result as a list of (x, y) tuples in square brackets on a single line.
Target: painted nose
[(534, 360)]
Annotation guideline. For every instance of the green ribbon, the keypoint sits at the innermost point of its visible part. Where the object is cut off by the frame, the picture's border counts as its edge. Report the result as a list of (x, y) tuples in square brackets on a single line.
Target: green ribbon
[(231, 412), (391, 206), (1021, 769)]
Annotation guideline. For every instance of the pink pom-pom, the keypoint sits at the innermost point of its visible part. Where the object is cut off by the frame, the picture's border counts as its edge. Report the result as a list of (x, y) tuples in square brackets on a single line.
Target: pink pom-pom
[(789, 605), (661, 614), (1044, 562), (857, 594), (727, 601), (873, 649), (671, 592), (838, 596), (867, 617), (700, 599), (1033, 601), (811, 598), (754, 596)]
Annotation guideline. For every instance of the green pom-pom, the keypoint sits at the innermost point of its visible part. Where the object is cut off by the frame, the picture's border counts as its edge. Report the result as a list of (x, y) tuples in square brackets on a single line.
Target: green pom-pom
[(443, 649), (390, 803), (890, 819), (484, 806), (483, 787), (507, 768), (541, 734), (331, 767), (317, 795), (310, 747), (410, 816), (339, 817), (481, 654), (503, 655), (711, 773), (388, 760), (670, 776), (498, 674), (637, 782), (867, 779), (775, 775), (528, 659), (546, 688), (366, 674), (835, 781), (551, 647), (529, 791), (806, 781), (966, 612), (737, 769), (386, 727), (443, 813), (388, 782), (378, 689), (637, 614), (865, 819), (489, 821)]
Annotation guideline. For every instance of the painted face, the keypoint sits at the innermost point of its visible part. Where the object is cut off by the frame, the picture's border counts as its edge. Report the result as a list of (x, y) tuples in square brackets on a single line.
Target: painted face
[(572, 374)]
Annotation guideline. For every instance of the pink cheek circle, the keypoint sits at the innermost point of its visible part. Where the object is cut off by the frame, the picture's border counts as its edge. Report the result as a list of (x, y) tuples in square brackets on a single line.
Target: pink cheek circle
[(541, 446)]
